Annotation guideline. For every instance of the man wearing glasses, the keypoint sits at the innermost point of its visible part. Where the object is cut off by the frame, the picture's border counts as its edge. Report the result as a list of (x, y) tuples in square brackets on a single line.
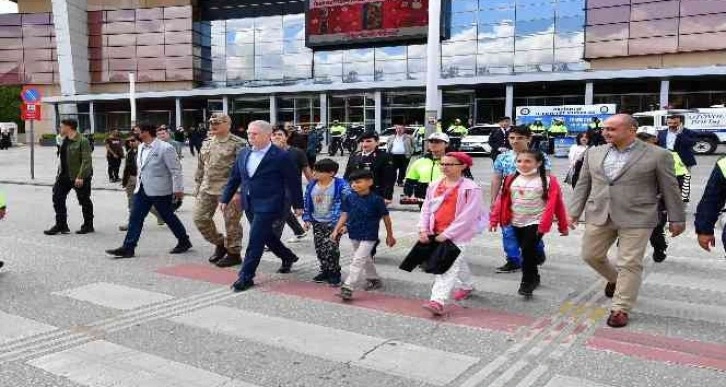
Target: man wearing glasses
[(216, 158)]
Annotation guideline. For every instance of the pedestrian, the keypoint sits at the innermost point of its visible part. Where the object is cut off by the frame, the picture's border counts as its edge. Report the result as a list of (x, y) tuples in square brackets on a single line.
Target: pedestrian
[(296, 137), (5, 141), (315, 139), (323, 200), (426, 169), (575, 156), (114, 155), (128, 181), (159, 183), (498, 138), (506, 165), (456, 132), (378, 162), (618, 189), (196, 136), (710, 207), (162, 133), (400, 147), (658, 236), (529, 202), (3, 212), (179, 135), (361, 216), (75, 170), (337, 134), (681, 141), (216, 158), (300, 161), (268, 182), (451, 212)]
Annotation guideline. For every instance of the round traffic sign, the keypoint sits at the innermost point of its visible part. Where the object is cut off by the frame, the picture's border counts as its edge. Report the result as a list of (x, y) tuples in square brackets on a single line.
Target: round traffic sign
[(30, 95)]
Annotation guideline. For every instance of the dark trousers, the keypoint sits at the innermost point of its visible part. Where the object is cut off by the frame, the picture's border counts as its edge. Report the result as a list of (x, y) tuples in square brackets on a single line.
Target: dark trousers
[(114, 165), (658, 236), (336, 142), (61, 189), (400, 163), (327, 250), (290, 220), (195, 145), (142, 205), (261, 235), (528, 238)]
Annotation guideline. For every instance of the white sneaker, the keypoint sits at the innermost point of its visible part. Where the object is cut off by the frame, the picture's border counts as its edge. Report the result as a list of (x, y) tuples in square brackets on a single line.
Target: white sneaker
[(298, 238)]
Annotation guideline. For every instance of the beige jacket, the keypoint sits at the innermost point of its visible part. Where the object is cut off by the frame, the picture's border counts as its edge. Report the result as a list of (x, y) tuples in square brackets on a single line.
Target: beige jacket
[(630, 200)]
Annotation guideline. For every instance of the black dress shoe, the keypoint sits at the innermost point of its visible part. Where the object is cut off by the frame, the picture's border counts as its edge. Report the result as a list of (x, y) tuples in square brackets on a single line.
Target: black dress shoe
[(241, 286), (2, 264), (85, 229), (229, 260), (55, 230), (287, 265), (181, 247), (121, 252), (219, 253)]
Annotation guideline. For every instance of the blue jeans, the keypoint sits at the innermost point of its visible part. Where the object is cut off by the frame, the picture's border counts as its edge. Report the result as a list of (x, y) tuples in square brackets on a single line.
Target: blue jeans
[(512, 248), (141, 207), (261, 234)]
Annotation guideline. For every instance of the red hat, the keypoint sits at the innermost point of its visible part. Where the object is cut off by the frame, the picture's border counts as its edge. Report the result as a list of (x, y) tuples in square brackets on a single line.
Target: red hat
[(462, 157)]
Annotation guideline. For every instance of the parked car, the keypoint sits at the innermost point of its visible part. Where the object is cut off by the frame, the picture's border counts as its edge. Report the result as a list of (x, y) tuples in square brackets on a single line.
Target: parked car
[(417, 132), (477, 141)]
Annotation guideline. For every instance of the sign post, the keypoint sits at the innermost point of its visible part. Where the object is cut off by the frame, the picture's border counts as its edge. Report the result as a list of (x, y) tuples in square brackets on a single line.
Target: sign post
[(31, 111)]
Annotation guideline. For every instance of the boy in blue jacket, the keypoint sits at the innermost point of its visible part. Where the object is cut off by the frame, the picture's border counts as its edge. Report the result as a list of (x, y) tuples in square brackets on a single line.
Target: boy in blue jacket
[(323, 198), (710, 206)]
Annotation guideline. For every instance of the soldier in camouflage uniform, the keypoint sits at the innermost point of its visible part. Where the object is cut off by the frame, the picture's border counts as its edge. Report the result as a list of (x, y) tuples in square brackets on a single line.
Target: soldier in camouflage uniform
[(216, 159)]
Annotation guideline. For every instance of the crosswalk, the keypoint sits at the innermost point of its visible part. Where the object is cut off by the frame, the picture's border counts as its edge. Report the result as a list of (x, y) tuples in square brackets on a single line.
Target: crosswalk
[(89, 356)]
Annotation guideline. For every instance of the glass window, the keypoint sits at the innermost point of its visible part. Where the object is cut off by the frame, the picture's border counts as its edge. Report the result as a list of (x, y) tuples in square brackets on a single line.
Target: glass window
[(328, 71), (294, 32), (464, 5), (570, 24), (653, 45), (496, 30), (417, 65), (386, 53), (27, 55), (607, 32), (449, 49), (534, 11), (487, 4), (269, 35), (298, 71), (178, 12), (121, 15), (535, 27), (493, 45), (569, 55), (358, 55), (569, 40), (240, 74), (458, 66), (391, 66), (119, 28), (533, 57), (606, 3), (149, 39), (240, 24), (150, 51), (463, 32), (149, 26), (178, 25), (36, 30), (659, 10), (268, 48), (417, 51), (534, 42), (178, 50), (11, 19), (650, 28), (12, 43), (149, 13), (328, 57), (268, 22), (122, 40), (179, 74), (123, 64), (606, 49), (240, 37), (496, 16), (152, 64), (706, 23), (713, 41), (294, 46), (179, 63), (463, 19), (570, 8), (298, 60), (698, 7), (36, 18), (608, 15), (11, 32), (359, 67), (268, 73), (495, 59)]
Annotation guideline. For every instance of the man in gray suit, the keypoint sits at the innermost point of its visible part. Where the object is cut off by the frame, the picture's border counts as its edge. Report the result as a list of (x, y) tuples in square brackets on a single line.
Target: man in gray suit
[(159, 182), (618, 188)]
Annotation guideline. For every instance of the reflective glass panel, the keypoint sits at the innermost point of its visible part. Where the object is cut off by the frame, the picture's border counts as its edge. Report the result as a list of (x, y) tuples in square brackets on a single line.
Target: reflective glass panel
[(653, 45), (653, 28), (659, 10), (705, 23)]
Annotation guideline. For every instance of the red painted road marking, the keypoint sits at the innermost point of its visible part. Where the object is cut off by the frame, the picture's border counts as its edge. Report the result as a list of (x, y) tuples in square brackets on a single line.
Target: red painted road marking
[(660, 348), (473, 317)]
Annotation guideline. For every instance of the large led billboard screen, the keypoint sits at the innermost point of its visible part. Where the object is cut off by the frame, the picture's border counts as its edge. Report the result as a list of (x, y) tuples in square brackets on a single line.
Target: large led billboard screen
[(341, 23)]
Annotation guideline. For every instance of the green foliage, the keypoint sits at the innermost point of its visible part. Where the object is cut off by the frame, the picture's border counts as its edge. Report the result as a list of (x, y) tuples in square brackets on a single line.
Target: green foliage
[(10, 104), (47, 136)]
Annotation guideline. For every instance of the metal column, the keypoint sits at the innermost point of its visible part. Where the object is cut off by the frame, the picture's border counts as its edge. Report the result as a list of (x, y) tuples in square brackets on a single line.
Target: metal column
[(92, 116), (378, 115), (665, 87), (433, 66), (509, 101), (225, 105), (273, 110), (589, 93), (178, 112)]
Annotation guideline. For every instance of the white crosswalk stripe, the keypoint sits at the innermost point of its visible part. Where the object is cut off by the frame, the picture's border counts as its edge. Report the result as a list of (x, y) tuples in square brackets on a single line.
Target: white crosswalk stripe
[(690, 282), (388, 356), (114, 296), (103, 364), (14, 327), (569, 381)]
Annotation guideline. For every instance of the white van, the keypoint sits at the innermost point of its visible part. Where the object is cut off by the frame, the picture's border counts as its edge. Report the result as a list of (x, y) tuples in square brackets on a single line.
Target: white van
[(708, 123)]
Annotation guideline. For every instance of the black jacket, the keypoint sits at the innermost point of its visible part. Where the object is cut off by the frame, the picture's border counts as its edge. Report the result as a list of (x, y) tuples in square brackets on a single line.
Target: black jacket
[(497, 140), (130, 168), (683, 146), (380, 163)]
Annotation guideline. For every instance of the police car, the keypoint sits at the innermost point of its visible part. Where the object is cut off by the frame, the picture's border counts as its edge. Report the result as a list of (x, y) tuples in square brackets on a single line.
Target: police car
[(417, 132), (477, 141)]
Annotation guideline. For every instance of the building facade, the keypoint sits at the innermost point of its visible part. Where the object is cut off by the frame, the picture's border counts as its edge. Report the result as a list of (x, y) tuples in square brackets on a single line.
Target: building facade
[(249, 58)]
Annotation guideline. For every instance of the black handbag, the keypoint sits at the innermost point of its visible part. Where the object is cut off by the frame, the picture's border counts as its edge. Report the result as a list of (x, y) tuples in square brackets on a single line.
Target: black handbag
[(433, 257)]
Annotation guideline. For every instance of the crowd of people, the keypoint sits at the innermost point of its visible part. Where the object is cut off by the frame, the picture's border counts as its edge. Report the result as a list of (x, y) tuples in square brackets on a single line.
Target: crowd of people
[(624, 191)]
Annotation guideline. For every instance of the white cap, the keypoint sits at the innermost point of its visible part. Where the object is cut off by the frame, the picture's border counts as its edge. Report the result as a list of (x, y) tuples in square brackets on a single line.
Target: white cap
[(439, 136)]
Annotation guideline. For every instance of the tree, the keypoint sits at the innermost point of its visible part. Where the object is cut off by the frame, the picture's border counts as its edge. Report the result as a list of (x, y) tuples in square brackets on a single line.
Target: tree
[(10, 105)]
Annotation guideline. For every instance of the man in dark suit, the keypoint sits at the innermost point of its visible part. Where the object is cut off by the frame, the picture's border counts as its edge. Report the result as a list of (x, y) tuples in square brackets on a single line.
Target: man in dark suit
[(680, 140), (266, 183), (498, 138)]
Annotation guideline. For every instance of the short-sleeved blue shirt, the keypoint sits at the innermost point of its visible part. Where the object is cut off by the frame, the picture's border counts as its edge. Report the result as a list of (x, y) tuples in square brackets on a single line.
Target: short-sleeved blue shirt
[(506, 163), (364, 215)]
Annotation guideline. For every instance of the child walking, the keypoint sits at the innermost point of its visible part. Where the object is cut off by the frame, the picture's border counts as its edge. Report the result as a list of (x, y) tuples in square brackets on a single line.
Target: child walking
[(323, 199), (529, 201), (361, 216)]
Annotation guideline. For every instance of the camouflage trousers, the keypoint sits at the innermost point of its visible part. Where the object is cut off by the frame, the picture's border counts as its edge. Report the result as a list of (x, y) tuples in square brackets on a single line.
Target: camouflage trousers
[(204, 209)]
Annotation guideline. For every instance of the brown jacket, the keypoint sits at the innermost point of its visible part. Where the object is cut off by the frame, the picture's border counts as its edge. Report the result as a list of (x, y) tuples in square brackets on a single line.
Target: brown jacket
[(630, 200)]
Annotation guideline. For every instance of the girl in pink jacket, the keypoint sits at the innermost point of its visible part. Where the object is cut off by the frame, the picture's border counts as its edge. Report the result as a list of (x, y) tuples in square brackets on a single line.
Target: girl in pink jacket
[(452, 211)]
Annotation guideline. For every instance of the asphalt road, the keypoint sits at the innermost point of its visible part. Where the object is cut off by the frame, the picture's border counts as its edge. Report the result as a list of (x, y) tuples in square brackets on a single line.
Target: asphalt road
[(70, 316)]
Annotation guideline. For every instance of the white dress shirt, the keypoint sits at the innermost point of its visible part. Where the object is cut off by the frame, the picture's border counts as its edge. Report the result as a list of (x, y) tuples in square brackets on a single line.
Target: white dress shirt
[(256, 156)]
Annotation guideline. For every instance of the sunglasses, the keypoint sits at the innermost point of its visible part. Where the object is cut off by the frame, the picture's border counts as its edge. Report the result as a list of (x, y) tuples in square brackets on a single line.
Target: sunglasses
[(449, 164)]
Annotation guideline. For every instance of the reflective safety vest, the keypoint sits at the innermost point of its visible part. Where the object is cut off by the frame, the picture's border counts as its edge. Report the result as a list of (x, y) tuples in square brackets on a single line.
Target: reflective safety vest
[(2, 200), (558, 129), (680, 168), (337, 130), (458, 129), (722, 166), (537, 128), (593, 125), (425, 170), (438, 127)]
